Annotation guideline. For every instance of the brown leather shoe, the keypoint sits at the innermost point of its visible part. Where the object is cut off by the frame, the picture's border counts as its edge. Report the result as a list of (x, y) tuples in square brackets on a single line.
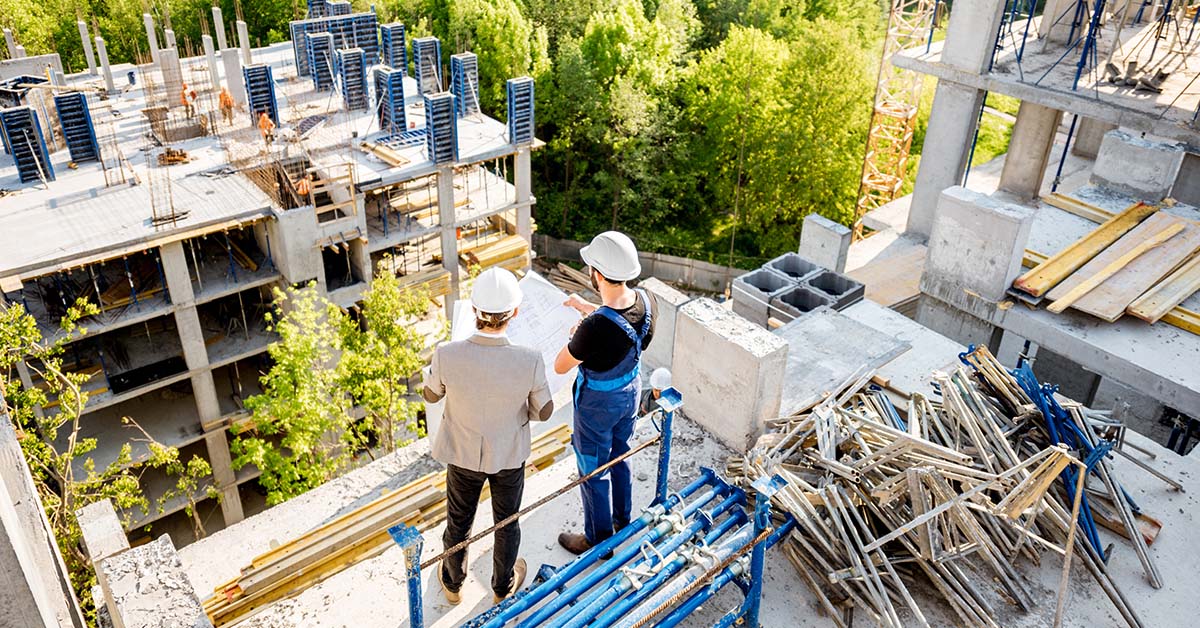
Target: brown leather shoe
[(454, 597), (574, 543), (518, 579)]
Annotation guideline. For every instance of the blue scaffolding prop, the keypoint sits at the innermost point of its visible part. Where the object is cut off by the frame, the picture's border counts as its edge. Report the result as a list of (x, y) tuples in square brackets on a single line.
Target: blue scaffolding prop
[(427, 64), (393, 48), (464, 83), (260, 92), (352, 71), (357, 30), (24, 140), (441, 128), (320, 60), (687, 546), (389, 95), (77, 128), (520, 110)]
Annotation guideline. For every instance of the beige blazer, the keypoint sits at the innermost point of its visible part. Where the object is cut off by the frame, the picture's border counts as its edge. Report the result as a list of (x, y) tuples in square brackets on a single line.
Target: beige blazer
[(492, 390)]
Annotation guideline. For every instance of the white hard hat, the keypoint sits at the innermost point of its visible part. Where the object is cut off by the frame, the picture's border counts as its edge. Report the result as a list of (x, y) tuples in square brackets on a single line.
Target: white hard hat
[(613, 254), (660, 379), (496, 291)]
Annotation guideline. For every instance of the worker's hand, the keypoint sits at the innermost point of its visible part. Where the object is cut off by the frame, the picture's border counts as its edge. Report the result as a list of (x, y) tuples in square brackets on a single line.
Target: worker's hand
[(580, 305)]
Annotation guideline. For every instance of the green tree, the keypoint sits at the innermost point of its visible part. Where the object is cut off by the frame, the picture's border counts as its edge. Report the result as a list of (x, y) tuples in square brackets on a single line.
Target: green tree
[(382, 354), (300, 434), (66, 477), (507, 44)]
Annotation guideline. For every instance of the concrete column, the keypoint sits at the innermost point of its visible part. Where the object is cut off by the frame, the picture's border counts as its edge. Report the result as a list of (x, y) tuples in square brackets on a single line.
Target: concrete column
[(233, 76), (20, 52), (11, 43), (87, 47), (668, 300), (147, 586), (172, 75), (219, 27), (191, 335), (105, 68), (244, 42), (1029, 150), (825, 242), (57, 78), (523, 177), (224, 477), (445, 200), (1089, 133), (151, 37), (214, 73), (169, 36), (732, 379), (970, 38)]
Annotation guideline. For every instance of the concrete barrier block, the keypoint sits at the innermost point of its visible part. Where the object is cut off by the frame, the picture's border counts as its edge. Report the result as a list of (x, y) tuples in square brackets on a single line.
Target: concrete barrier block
[(752, 293), (668, 300), (797, 301), (146, 587), (825, 242), (1142, 168), (730, 372), (844, 290), (976, 247)]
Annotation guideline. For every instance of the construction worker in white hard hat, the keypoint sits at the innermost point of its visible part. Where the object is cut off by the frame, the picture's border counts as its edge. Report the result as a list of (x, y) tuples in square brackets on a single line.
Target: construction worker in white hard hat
[(493, 389), (607, 347), (660, 380)]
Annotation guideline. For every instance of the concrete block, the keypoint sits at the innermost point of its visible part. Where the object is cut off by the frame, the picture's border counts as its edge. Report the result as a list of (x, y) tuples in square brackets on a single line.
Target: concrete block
[(103, 535), (952, 122), (169, 36), (843, 290), (825, 242), (797, 301), (667, 301), (730, 372), (1029, 150), (753, 291), (147, 588), (976, 246), (1144, 169), (1089, 133), (793, 266)]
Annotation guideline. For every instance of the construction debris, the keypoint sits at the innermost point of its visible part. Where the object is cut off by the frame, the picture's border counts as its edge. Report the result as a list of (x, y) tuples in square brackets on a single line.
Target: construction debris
[(943, 491)]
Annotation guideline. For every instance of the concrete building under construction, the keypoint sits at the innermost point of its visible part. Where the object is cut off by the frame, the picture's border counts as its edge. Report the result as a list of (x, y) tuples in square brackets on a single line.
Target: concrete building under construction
[(955, 420)]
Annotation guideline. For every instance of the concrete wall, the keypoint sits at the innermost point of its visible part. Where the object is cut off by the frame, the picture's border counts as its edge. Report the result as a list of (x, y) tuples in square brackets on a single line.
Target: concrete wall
[(732, 379), (33, 66)]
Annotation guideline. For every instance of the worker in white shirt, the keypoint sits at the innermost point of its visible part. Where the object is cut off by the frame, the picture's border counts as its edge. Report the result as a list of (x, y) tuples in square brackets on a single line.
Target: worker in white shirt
[(493, 389), (660, 380)]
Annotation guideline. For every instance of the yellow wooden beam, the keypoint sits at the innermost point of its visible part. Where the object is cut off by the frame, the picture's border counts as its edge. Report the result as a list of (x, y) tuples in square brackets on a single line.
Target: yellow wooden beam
[(1048, 274), (1168, 293), (1077, 207), (1114, 267)]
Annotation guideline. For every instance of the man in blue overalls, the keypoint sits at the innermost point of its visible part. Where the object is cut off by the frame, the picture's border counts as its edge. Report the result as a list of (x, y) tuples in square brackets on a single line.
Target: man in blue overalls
[(607, 347)]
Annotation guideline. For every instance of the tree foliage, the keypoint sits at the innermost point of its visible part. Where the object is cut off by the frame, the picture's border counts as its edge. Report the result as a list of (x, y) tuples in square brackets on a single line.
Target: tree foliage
[(48, 414)]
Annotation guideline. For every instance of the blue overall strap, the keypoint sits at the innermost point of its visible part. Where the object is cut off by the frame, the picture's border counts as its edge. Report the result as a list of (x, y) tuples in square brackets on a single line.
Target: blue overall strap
[(590, 380)]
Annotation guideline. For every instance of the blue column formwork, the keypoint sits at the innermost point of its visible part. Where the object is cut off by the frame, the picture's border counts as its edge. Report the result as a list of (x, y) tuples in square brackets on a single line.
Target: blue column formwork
[(464, 83), (23, 137), (427, 64), (319, 48), (393, 51), (441, 128), (520, 110), (352, 72), (76, 122), (260, 92), (389, 105)]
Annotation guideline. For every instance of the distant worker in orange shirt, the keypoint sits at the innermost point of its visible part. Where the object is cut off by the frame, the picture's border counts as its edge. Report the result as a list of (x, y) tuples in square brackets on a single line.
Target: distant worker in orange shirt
[(226, 103), (186, 98), (304, 186), (266, 126)]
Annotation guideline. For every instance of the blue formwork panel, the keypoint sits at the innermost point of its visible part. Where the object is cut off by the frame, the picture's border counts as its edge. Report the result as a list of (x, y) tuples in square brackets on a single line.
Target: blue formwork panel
[(464, 83), (77, 128), (338, 8), (520, 110), (427, 65), (393, 47), (441, 128), (260, 92), (357, 30), (352, 72), (389, 94), (23, 137), (317, 8), (320, 60)]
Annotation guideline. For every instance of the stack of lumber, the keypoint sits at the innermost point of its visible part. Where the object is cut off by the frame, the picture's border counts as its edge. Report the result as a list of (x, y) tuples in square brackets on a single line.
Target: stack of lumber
[(511, 252), (1141, 261), (355, 536), (955, 492), (435, 280)]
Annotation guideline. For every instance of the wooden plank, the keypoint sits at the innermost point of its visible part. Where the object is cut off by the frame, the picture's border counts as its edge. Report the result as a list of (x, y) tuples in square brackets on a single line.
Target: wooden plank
[(1150, 226), (1170, 292), (1049, 273), (1077, 207), (1091, 281), (1109, 300), (892, 280)]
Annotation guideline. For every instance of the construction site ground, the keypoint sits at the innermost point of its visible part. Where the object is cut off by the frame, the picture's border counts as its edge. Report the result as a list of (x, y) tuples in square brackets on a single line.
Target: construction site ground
[(373, 593)]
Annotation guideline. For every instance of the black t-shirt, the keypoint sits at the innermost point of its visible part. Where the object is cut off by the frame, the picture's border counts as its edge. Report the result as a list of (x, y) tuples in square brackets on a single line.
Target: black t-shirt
[(601, 344)]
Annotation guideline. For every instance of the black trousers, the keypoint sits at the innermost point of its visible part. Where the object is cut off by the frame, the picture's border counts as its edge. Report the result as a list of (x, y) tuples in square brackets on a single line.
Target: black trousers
[(463, 487)]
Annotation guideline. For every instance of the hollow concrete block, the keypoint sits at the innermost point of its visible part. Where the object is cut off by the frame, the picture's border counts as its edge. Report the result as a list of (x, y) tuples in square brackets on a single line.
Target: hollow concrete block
[(730, 372)]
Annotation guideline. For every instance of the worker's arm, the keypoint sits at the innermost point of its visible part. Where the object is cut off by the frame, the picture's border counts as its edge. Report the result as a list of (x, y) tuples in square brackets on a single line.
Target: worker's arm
[(435, 388), (541, 402), (580, 304), (565, 361)]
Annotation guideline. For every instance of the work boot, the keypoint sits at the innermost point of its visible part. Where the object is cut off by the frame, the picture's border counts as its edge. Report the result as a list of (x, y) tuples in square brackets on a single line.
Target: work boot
[(1131, 74), (518, 579), (578, 544), (453, 597)]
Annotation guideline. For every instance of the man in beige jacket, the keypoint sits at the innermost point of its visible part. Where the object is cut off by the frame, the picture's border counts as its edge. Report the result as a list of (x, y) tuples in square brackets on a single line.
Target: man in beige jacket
[(493, 389)]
